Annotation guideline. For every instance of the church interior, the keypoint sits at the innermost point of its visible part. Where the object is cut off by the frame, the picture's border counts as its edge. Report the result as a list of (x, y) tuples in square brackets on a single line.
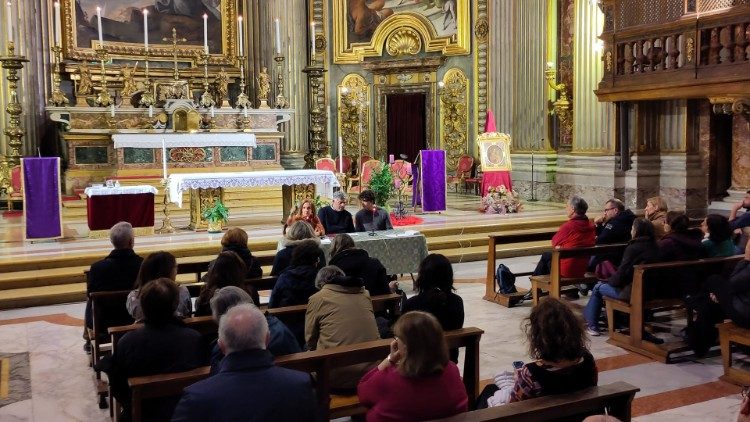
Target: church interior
[(478, 126)]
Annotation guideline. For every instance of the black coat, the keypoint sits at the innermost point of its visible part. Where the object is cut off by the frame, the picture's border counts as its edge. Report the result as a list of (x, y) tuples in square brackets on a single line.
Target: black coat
[(294, 287), (616, 230), (252, 264), (117, 271), (449, 312), (640, 250), (739, 288), (358, 263), (336, 221), (283, 258), (681, 246)]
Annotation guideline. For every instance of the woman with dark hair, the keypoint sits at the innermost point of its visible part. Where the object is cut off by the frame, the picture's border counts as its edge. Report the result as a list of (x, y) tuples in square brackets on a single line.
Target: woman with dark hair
[(718, 236), (355, 262), (228, 270), (297, 233), (158, 265), (641, 249), (680, 242), (562, 361), (416, 381), (306, 213), (435, 295), (235, 240)]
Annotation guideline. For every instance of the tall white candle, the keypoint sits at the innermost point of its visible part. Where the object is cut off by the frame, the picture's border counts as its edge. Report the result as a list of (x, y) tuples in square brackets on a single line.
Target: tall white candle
[(341, 154), (239, 33), (112, 110), (99, 25), (312, 40), (145, 28), (58, 25), (213, 114), (278, 36), (150, 111), (164, 158), (9, 21), (244, 110), (205, 33)]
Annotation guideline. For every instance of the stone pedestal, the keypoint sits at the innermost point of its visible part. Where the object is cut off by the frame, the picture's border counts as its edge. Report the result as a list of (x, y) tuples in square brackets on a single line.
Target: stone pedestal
[(544, 168), (292, 160), (595, 178)]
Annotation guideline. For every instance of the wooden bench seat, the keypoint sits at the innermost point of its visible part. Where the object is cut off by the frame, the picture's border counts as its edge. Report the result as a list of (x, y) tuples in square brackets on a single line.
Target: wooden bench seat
[(321, 362), (639, 304), (616, 398), (729, 334)]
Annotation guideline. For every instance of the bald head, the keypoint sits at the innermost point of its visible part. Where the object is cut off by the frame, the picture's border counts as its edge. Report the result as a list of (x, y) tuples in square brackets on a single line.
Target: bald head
[(243, 327)]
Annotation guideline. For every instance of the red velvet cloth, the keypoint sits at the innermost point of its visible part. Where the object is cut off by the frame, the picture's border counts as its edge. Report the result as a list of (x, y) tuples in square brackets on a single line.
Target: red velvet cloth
[(104, 211), (495, 179)]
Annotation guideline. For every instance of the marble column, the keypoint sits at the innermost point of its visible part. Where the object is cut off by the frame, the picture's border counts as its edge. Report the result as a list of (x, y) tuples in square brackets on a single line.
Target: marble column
[(292, 15), (502, 63), (740, 152)]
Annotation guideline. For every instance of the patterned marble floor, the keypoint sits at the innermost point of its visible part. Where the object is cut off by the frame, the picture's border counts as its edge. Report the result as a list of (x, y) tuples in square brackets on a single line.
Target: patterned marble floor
[(62, 385)]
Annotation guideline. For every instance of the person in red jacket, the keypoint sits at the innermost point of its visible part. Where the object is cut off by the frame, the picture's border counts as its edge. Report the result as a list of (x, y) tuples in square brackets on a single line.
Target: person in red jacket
[(578, 231)]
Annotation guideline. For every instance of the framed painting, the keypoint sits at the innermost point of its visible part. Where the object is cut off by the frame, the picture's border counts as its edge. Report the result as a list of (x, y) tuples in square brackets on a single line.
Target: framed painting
[(494, 151), (361, 27), (122, 28)]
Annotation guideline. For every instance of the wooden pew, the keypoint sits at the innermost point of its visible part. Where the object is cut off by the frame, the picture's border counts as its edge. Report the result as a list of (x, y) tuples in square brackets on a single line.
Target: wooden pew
[(199, 265), (321, 362), (639, 304), (491, 292), (616, 398), (554, 282), (259, 283), (729, 334)]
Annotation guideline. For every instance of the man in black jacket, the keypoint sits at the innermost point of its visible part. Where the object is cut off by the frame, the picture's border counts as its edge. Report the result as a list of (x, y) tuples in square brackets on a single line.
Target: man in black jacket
[(335, 218)]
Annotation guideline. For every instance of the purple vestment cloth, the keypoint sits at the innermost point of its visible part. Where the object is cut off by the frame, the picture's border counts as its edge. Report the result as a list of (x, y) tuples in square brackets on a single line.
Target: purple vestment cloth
[(41, 197), (429, 181)]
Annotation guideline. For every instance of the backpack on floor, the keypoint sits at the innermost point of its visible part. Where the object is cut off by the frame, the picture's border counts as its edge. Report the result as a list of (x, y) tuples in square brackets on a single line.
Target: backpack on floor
[(505, 279)]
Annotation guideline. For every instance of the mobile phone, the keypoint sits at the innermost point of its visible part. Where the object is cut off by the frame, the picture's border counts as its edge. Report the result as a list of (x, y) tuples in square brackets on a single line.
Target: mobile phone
[(517, 364)]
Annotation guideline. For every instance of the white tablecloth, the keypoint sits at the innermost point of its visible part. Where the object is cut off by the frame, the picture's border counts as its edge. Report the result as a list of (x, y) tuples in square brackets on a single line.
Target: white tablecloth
[(175, 140), (324, 181), (122, 190)]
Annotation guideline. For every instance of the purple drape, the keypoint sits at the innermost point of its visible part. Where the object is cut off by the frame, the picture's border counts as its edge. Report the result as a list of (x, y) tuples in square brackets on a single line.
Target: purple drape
[(429, 181), (41, 197)]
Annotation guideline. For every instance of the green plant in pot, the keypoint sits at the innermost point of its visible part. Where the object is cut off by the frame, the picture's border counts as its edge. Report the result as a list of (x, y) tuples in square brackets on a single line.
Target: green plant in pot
[(381, 184), (216, 215)]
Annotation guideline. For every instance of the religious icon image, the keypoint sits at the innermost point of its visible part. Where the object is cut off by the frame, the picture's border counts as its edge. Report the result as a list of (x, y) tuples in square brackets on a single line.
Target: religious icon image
[(85, 85), (364, 16), (129, 86), (495, 152), (264, 84)]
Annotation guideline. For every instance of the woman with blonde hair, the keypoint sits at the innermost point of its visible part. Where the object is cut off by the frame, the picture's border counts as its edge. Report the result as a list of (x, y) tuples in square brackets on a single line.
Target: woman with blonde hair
[(306, 213), (656, 212), (297, 232), (416, 381)]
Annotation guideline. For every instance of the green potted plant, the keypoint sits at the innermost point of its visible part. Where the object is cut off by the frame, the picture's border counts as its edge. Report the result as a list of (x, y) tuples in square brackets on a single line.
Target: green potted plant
[(381, 184), (216, 215)]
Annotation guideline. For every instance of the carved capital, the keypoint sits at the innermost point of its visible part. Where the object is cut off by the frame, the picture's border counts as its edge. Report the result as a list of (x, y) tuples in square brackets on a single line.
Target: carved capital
[(405, 41)]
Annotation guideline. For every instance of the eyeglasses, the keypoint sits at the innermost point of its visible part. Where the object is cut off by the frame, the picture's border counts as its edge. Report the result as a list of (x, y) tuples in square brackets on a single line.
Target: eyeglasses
[(609, 209)]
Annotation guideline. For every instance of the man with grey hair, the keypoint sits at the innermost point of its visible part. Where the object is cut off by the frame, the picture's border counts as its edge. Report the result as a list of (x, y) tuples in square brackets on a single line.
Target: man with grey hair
[(248, 386), (118, 270), (282, 341), (335, 218)]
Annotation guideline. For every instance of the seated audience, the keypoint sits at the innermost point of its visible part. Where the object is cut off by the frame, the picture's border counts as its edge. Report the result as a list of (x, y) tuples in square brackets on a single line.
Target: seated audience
[(235, 240), (335, 218), (306, 213), (743, 220), (281, 341), (641, 250), (298, 232), (161, 346), (562, 363), (118, 271), (371, 217), (339, 314), (435, 295), (248, 386), (718, 236), (416, 381), (227, 270), (355, 262), (612, 226), (158, 265), (733, 295), (656, 212), (680, 242)]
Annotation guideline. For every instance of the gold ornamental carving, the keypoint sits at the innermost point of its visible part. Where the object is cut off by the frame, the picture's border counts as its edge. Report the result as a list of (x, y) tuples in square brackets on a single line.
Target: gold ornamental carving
[(200, 200), (482, 29), (608, 61), (454, 106), (403, 42), (690, 43), (354, 111)]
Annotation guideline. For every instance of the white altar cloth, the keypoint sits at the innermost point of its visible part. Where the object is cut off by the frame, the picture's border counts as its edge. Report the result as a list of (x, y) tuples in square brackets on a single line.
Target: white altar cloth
[(175, 140), (324, 181), (122, 190)]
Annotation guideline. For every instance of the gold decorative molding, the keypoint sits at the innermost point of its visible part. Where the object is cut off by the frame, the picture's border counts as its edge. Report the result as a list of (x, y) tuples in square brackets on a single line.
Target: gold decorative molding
[(454, 124), (730, 105), (354, 98), (482, 29), (403, 42), (481, 80), (690, 43)]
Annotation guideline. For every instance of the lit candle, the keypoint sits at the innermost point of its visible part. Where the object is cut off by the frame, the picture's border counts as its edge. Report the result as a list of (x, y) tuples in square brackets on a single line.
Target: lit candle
[(312, 40), (112, 110), (390, 159), (9, 21), (244, 110), (145, 28), (212, 112), (164, 157), (205, 33), (239, 33), (278, 37), (150, 111), (58, 25), (341, 154), (99, 25)]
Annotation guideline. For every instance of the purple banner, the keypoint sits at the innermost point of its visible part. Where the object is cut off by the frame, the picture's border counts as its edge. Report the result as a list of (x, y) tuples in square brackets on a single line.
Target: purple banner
[(41, 197), (429, 181)]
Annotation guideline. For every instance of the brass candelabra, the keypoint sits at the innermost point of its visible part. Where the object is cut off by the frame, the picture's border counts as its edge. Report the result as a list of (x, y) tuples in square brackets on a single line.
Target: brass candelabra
[(57, 97), (207, 100), (281, 101), (317, 139), (166, 223), (104, 99), (147, 98), (13, 131), (562, 106), (243, 101)]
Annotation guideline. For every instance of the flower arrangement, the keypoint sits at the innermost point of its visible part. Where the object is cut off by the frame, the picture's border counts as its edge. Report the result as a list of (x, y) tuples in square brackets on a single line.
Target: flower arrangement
[(500, 200)]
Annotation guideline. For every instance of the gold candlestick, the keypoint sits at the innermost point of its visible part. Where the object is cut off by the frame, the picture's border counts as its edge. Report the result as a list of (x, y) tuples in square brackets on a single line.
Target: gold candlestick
[(280, 99), (103, 99), (57, 97), (14, 131), (166, 223), (147, 98), (207, 100), (242, 100)]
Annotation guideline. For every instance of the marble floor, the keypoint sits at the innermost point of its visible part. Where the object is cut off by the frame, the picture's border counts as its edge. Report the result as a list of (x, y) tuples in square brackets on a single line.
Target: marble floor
[(62, 386)]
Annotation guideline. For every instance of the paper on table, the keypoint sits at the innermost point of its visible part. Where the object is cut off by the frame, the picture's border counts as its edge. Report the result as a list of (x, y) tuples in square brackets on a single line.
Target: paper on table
[(325, 241)]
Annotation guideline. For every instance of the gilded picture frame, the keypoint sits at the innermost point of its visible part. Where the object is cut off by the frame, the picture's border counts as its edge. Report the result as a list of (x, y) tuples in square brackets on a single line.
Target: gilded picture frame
[(494, 151), (360, 31), (122, 26)]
